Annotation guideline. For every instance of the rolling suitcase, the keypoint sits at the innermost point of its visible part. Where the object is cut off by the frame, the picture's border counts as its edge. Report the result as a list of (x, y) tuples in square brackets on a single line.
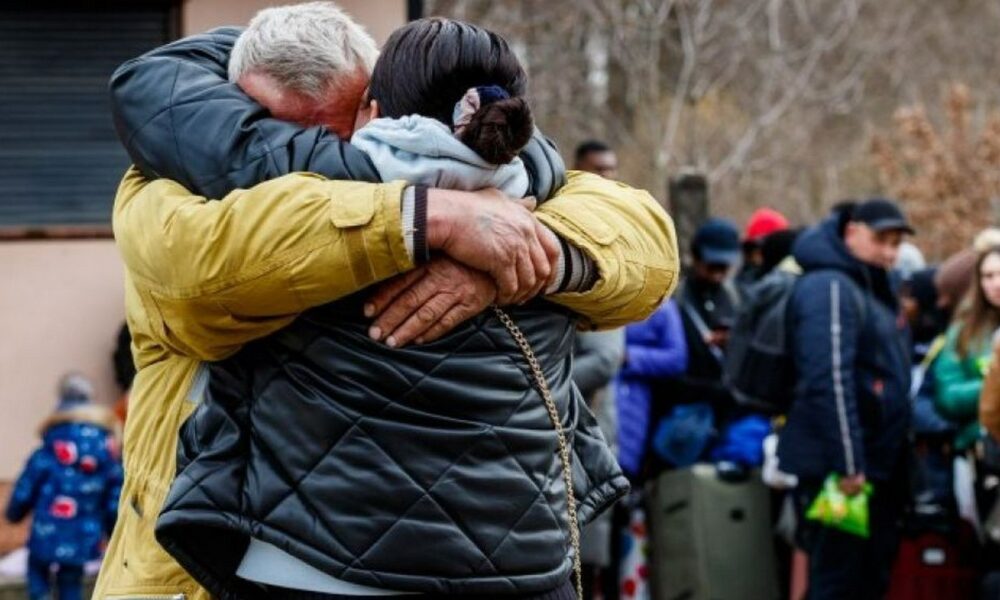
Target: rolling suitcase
[(934, 566), (711, 539)]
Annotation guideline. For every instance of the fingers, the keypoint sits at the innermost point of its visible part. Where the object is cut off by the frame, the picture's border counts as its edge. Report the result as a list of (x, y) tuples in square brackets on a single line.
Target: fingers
[(455, 316), (525, 274), (403, 304), (541, 262), (551, 245), (506, 277), (529, 203), (453, 293), (387, 292), (534, 267), (424, 318)]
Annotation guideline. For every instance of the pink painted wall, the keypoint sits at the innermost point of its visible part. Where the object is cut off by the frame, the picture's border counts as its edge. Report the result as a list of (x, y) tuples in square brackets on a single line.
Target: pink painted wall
[(60, 309), (61, 301)]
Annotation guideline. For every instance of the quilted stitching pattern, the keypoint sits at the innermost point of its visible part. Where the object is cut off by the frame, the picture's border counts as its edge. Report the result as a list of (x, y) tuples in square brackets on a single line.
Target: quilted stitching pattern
[(391, 471), (477, 338)]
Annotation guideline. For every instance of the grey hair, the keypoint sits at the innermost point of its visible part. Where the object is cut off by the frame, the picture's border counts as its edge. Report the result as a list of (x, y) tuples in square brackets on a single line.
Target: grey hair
[(303, 47)]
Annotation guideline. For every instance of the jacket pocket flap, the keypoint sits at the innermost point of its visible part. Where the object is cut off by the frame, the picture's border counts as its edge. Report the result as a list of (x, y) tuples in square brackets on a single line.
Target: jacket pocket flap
[(352, 210), (601, 232)]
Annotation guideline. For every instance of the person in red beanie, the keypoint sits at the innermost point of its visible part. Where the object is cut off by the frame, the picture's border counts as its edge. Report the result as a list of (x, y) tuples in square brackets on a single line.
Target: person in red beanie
[(763, 222)]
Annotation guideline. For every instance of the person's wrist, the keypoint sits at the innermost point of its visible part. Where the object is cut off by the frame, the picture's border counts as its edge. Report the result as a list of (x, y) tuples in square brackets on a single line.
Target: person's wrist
[(421, 252), (440, 217)]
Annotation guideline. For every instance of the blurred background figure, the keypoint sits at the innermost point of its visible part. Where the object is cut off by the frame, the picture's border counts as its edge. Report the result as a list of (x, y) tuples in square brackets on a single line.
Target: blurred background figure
[(684, 420), (596, 360), (851, 409), (910, 260), (965, 358), (594, 156), (71, 485), (708, 304), (776, 249), (124, 371), (763, 222), (655, 352)]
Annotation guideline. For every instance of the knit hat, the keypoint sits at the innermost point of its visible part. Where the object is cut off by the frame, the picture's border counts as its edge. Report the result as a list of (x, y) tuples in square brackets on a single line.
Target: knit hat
[(955, 275), (75, 391), (764, 222)]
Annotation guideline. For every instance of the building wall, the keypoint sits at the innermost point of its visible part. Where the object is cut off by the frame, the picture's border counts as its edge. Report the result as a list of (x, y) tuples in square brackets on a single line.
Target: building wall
[(60, 310), (61, 301)]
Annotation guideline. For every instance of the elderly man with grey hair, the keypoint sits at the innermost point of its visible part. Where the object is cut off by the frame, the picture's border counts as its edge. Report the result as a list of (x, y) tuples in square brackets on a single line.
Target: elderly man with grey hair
[(216, 292), (307, 64)]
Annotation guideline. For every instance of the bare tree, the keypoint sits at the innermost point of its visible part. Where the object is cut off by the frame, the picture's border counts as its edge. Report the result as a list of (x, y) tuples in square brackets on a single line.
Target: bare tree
[(775, 100)]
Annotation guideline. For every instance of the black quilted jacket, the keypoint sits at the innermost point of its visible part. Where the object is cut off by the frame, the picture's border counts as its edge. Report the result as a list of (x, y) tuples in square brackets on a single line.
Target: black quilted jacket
[(431, 468)]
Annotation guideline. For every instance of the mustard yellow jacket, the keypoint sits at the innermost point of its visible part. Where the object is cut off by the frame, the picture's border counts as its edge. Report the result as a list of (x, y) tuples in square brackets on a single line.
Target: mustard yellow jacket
[(204, 277)]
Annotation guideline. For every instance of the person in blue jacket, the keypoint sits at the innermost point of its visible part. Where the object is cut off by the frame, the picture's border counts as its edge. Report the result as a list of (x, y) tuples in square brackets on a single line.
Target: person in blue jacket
[(851, 410), (654, 350), (71, 484)]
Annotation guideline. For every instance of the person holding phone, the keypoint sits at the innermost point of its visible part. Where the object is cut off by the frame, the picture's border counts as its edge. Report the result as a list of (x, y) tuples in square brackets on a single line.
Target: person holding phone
[(707, 302)]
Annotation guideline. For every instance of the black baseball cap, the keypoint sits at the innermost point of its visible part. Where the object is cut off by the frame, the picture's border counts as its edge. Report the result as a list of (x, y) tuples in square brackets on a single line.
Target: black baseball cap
[(717, 242), (881, 215)]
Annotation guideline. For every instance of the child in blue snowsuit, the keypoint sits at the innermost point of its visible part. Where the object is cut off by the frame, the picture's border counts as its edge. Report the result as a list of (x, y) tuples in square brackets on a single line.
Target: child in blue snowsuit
[(71, 484)]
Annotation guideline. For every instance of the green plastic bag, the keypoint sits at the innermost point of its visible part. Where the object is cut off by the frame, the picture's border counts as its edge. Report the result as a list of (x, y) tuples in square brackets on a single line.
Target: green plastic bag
[(834, 508)]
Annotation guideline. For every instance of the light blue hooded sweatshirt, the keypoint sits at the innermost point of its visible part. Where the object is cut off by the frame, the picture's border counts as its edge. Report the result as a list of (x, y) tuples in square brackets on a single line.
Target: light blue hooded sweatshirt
[(421, 150)]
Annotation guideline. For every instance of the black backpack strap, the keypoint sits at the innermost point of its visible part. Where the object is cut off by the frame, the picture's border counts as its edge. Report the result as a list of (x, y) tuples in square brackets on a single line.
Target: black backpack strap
[(699, 323)]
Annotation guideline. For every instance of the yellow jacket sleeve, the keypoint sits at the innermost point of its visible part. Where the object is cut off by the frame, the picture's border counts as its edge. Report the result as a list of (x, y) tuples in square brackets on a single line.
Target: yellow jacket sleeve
[(629, 237), (214, 275)]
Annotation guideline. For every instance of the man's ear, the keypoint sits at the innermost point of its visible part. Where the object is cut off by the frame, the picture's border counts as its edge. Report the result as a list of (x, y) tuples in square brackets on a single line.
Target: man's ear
[(367, 111)]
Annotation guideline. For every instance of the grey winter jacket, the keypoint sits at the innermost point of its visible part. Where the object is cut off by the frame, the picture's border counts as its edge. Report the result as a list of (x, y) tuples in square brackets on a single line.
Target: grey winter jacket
[(596, 361)]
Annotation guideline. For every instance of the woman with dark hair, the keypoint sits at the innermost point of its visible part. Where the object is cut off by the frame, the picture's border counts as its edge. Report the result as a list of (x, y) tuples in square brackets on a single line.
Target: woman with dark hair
[(446, 107), (963, 363), (451, 467)]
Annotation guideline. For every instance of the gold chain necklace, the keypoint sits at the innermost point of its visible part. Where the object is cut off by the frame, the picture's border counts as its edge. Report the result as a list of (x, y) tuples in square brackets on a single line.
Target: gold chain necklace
[(564, 450)]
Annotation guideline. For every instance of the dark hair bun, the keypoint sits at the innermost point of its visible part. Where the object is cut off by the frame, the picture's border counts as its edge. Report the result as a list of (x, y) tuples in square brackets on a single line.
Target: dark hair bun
[(499, 130)]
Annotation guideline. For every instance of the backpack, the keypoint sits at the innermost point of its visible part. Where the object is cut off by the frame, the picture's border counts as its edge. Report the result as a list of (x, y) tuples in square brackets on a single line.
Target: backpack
[(759, 369)]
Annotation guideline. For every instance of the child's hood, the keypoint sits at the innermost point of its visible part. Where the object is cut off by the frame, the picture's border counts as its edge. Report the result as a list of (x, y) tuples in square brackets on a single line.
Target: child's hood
[(81, 427), (83, 437)]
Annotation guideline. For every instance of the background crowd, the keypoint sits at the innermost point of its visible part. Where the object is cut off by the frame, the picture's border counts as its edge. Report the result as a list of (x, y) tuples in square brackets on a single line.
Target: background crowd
[(880, 371), (790, 354), (796, 362)]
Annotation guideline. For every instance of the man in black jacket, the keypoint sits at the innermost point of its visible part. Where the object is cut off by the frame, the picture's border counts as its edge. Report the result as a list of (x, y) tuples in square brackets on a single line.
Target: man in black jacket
[(708, 304), (851, 408)]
